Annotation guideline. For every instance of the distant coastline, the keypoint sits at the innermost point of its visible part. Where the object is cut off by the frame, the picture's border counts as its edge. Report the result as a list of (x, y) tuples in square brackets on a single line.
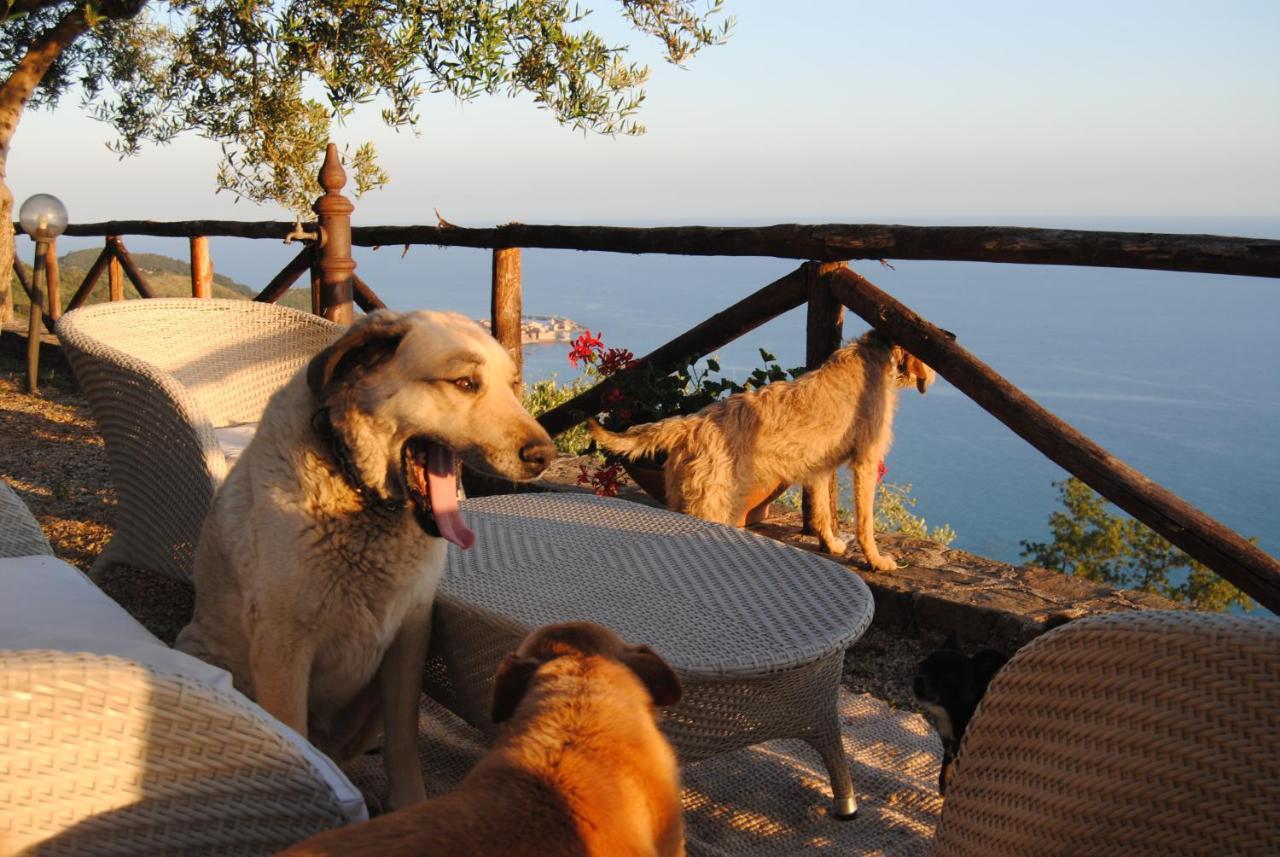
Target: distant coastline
[(542, 329)]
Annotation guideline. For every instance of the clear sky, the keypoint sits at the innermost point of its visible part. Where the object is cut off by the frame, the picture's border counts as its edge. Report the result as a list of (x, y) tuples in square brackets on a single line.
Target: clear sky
[(817, 110)]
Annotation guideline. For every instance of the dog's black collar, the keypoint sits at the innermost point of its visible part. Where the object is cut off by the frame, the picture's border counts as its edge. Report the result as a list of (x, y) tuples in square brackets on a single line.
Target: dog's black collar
[(322, 425)]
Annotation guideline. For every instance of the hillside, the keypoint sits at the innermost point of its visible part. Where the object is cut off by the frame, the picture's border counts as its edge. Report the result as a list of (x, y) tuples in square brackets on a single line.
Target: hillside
[(167, 277)]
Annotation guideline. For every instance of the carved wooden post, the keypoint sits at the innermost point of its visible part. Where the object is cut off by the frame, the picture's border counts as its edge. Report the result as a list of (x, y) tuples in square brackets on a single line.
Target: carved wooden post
[(54, 290), (333, 297), (201, 268), (824, 327), (505, 305)]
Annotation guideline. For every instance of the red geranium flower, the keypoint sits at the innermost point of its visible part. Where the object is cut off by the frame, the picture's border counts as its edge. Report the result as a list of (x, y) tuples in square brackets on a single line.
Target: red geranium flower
[(615, 360), (603, 480), (585, 348)]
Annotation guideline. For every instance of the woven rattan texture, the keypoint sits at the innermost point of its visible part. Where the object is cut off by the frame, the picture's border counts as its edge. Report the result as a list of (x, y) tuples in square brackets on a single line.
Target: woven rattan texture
[(715, 714), (714, 600), (1135, 734), (159, 376), (756, 630), (100, 756), (766, 801), (20, 534)]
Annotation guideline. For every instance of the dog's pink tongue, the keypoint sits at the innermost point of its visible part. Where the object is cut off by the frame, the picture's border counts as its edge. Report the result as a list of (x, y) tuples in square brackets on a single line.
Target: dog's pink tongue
[(442, 487)]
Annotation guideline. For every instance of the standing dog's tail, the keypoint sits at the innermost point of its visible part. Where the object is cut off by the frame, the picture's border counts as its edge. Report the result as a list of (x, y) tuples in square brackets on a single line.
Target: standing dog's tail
[(646, 439)]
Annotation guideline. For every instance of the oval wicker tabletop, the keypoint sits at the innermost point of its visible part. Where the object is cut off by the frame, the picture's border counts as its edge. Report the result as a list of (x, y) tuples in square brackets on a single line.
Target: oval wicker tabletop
[(714, 600)]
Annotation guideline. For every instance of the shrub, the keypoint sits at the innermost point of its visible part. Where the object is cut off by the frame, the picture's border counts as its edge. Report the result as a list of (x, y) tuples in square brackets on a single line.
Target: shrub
[(1091, 542)]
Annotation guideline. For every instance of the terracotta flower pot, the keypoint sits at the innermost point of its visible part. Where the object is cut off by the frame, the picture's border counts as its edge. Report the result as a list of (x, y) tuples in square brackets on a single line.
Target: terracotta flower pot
[(647, 473)]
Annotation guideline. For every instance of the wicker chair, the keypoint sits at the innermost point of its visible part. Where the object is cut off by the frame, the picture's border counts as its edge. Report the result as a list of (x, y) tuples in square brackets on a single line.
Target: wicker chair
[(111, 743), (171, 382), (1132, 734)]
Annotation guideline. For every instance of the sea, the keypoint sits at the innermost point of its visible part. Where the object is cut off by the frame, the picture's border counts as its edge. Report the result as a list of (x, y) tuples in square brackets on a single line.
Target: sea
[(1177, 374)]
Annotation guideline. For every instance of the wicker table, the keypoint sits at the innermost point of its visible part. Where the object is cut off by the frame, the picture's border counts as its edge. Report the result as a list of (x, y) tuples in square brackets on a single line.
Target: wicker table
[(756, 630)]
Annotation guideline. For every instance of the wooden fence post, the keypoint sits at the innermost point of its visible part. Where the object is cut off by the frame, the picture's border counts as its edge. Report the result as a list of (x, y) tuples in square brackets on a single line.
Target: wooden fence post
[(505, 306), (115, 273), (201, 268), (54, 288), (121, 253), (332, 294), (35, 312), (824, 327)]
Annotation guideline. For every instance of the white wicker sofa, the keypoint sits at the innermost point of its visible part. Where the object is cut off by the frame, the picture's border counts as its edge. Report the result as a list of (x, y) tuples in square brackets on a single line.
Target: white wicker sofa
[(113, 743)]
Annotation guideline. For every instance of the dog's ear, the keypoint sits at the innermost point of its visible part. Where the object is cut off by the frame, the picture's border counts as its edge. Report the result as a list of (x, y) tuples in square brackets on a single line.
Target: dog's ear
[(907, 365), (510, 684), (657, 675), (952, 642), (368, 343), (919, 370)]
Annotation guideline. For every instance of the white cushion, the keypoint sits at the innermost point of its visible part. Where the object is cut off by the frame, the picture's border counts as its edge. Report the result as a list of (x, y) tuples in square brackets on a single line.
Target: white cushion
[(47, 604), (233, 439)]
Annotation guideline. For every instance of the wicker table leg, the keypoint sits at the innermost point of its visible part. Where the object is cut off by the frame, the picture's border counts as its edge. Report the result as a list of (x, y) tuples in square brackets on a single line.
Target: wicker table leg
[(826, 738)]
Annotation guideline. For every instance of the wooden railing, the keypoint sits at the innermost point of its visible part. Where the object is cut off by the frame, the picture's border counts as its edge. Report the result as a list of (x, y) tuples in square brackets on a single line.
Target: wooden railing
[(823, 283)]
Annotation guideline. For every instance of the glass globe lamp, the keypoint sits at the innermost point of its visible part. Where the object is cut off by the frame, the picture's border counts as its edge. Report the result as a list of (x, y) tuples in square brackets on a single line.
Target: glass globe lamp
[(43, 217)]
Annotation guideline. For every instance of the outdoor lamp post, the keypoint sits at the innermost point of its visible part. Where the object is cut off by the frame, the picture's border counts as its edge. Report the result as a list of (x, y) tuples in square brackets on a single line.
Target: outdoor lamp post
[(44, 218)]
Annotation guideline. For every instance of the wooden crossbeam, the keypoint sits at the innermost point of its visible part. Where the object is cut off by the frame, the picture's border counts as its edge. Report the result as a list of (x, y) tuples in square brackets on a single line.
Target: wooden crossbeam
[(782, 295), (130, 269), (288, 275), (1211, 542), (364, 296), (91, 279), (830, 242)]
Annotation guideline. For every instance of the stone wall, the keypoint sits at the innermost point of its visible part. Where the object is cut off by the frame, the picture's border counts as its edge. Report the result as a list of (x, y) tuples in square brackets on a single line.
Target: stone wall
[(939, 590)]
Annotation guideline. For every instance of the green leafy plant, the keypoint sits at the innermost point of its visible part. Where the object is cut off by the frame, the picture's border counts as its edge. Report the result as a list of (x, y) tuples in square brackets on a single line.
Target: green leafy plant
[(893, 515), (1091, 542), (541, 396), (893, 512), (645, 395)]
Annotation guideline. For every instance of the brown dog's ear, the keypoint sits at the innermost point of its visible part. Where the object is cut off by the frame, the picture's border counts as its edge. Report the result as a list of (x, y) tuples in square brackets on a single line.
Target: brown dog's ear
[(510, 683), (369, 343), (920, 370), (657, 675)]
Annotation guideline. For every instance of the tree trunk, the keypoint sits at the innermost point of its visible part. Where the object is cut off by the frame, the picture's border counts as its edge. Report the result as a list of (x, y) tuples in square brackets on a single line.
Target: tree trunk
[(14, 94), (6, 248)]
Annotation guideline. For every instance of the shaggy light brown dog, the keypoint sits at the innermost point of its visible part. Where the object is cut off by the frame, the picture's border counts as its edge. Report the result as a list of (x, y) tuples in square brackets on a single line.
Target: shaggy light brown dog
[(579, 769), (320, 555), (784, 433)]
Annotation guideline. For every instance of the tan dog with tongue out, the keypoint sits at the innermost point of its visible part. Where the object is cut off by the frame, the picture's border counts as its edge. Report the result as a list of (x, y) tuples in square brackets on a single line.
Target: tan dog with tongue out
[(321, 553)]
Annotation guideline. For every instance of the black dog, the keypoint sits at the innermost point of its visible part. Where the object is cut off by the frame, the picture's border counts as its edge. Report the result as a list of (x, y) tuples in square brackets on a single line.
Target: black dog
[(949, 685)]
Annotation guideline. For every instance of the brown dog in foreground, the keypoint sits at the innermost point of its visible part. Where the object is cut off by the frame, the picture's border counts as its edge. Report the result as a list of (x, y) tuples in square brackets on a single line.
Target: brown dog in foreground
[(783, 433), (580, 767)]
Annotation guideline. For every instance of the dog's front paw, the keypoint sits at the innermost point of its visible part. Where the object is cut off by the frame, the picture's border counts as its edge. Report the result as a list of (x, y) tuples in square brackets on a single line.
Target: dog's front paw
[(835, 547), (883, 562)]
